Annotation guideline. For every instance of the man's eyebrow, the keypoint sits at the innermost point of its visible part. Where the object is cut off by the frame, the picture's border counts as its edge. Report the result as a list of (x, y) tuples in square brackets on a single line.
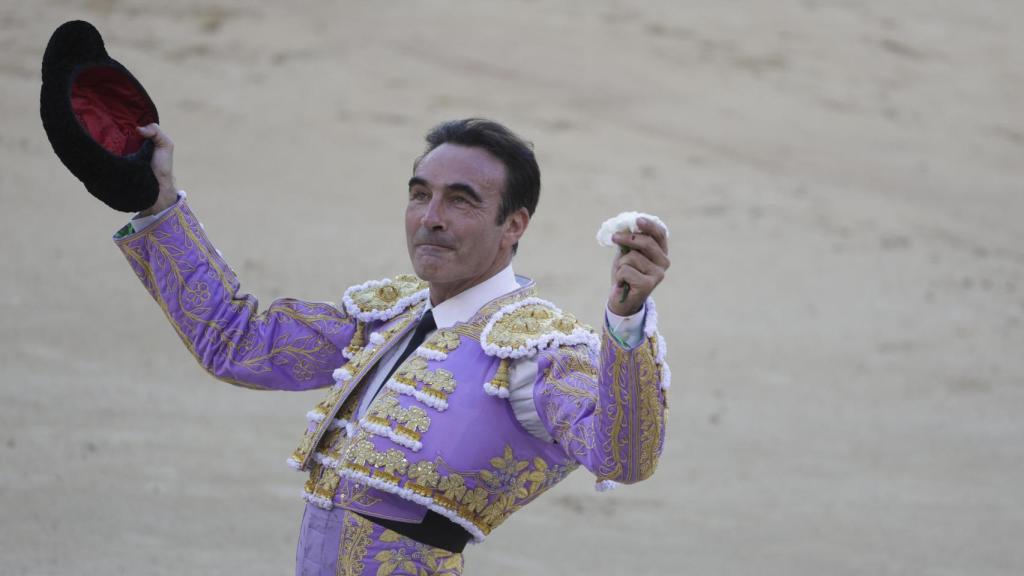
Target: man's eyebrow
[(466, 188), (454, 187)]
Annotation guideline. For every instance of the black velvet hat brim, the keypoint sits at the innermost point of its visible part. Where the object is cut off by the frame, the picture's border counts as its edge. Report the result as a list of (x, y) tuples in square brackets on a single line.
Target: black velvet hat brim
[(124, 182)]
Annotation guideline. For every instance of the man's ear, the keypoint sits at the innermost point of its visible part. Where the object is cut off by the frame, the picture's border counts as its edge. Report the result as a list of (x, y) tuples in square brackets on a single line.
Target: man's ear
[(515, 226)]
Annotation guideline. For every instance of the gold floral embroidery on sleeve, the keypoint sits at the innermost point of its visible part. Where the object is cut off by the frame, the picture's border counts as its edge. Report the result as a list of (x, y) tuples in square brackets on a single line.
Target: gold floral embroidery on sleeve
[(633, 423), (207, 301)]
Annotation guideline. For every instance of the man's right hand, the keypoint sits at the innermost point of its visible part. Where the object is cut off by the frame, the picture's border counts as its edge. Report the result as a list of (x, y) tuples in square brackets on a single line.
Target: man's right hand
[(163, 168)]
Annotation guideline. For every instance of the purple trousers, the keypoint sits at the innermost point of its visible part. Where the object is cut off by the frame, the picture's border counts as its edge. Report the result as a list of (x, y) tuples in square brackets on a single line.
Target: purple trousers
[(340, 543)]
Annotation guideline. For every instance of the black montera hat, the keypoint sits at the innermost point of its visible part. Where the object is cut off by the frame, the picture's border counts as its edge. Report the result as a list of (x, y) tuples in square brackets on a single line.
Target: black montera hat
[(90, 105)]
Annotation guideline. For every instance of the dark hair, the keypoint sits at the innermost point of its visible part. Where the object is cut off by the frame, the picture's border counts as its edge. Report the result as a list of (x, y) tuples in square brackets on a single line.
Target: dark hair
[(522, 174)]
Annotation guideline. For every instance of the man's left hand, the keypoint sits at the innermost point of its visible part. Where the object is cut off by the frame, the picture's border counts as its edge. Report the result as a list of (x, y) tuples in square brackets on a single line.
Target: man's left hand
[(642, 267)]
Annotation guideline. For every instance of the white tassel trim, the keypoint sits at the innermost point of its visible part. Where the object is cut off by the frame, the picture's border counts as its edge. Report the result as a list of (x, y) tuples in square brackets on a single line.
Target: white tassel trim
[(430, 354), (579, 335), (478, 535), (433, 401), (372, 315), (499, 391), (666, 376), (387, 432), (606, 485)]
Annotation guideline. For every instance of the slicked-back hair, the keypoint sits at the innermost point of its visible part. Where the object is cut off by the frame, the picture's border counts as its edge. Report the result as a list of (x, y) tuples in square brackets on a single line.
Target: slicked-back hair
[(522, 174)]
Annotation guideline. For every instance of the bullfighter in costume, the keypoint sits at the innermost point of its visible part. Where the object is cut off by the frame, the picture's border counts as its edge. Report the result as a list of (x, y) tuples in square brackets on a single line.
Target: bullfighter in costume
[(454, 396)]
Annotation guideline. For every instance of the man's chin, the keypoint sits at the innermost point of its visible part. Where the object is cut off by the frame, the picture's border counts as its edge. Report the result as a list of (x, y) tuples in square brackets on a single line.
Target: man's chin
[(430, 269)]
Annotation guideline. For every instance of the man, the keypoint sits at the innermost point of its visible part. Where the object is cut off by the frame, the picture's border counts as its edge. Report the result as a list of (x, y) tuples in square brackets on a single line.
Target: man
[(456, 396)]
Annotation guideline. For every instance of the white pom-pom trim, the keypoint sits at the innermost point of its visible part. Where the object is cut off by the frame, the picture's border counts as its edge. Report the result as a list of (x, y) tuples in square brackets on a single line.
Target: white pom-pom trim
[(430, 354), (376, 339), (606, 485), (318, 501), (433, 401), (650, 317), (342, 375), (314, 416), (474, 531), (492, 390), (651, 331), (387, 432), (579, 335), (293, 463), (369, 316), (326, 460)]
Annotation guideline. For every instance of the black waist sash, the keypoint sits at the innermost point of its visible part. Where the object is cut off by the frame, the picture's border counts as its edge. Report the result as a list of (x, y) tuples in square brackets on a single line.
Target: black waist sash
[(435, 530)]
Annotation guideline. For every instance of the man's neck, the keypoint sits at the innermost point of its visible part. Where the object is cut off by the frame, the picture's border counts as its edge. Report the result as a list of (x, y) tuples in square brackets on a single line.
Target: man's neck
[(441, 292), (462, 306)]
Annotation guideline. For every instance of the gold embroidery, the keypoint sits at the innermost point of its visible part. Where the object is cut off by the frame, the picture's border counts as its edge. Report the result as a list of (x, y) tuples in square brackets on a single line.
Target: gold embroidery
[(571, 380), (443, 340), (500, 380), (341, 394), (507, 485), (613, 465), (474, 326), (526, 323), (650, 410), (358, 339), (633, 449), (380, 298), (408, 557), (409, 422), (363, 455), (307, 355), (356, 537), (437, 383)]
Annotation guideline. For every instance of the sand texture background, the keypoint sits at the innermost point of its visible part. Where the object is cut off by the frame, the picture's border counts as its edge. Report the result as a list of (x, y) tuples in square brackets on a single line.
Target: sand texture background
[(845, 186)]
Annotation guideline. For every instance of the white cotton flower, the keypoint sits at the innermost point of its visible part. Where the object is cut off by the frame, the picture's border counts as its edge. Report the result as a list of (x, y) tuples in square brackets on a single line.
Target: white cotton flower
[(625, 221)]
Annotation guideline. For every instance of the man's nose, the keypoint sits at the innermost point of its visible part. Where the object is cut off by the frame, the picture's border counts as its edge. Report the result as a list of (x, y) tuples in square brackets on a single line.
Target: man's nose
[(433, 217)]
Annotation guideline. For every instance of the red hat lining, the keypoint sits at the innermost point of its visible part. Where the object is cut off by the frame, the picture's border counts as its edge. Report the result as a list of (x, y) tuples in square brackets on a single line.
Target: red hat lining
[(109, 106)]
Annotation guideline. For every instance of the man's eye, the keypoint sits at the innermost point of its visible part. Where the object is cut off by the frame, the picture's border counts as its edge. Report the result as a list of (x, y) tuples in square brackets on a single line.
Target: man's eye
[(418, 195), (460, 200)]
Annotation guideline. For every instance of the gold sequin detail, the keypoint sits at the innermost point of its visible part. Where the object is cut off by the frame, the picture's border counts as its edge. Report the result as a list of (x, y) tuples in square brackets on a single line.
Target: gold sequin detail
[(410, 422)]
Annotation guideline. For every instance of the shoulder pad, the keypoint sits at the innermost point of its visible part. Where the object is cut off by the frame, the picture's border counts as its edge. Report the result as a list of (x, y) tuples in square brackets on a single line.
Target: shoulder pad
[(384, 299), (531, 325)]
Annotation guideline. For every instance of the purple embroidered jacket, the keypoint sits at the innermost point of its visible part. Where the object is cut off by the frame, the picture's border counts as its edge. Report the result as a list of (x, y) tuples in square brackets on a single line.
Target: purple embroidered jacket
[(440, 434)]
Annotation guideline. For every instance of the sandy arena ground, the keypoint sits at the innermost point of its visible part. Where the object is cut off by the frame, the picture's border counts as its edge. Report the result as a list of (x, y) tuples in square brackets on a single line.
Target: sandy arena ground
[(845, 185)]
